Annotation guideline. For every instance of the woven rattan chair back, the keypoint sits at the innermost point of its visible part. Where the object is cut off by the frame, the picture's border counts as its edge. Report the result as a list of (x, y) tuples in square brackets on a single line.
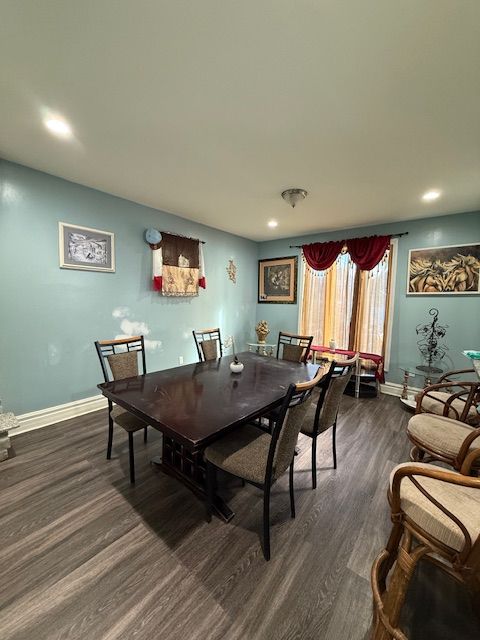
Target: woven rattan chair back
[(208, 343), (293, 347), (122, 357)]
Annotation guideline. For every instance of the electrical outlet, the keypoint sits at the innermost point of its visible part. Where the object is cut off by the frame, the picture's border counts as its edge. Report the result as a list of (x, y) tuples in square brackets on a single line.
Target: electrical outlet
[(180, 359)]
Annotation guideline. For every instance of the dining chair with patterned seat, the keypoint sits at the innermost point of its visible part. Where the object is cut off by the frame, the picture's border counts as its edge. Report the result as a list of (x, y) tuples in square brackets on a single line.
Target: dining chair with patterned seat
[(293, 347), (121, 357), (260, 458), (436, 517), (330, 394), (208, 343)]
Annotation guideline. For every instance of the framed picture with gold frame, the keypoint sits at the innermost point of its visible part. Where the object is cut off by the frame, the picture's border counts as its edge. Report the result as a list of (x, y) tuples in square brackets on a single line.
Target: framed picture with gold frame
[(277, 280)]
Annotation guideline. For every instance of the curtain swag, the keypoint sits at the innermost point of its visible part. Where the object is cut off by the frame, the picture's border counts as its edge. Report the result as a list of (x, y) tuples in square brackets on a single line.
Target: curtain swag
[(366, 252)]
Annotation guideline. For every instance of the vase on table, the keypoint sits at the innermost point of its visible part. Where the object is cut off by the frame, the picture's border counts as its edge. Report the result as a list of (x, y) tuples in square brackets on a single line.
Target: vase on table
[(262, 330)]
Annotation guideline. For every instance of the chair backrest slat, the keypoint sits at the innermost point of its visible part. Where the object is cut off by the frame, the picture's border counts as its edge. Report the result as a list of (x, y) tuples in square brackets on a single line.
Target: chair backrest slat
[(293, 347), (208, 343), (121, 354)]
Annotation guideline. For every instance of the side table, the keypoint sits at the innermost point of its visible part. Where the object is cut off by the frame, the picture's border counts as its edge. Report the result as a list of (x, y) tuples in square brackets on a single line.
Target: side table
[(262, 348)]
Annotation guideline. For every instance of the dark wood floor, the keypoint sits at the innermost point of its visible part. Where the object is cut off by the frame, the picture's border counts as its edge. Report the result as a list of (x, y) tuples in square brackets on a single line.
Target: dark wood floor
[(86, 556)]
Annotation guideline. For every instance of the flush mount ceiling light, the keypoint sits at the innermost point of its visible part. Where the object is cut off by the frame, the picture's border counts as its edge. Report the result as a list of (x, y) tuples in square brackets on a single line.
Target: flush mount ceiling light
[(430, 196), (272, 224), (58, 126), (292, 196)]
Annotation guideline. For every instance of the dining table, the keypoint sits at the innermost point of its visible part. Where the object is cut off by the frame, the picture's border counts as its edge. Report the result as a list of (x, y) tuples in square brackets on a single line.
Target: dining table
[(195, 404)]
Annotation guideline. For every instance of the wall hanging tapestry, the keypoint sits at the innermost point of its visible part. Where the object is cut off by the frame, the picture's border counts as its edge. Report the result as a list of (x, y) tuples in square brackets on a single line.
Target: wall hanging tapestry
[(85, 248), (277, 280), (448, 270), (178, 266)]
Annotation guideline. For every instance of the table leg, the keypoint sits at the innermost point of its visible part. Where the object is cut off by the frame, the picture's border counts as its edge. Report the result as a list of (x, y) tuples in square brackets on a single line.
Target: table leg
[(406, 376), (358, 371), (188, 467)]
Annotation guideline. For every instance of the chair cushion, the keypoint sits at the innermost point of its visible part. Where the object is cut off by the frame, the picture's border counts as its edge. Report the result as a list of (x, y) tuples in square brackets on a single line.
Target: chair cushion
[(123, 365), (462, 502), (432, 403), (126, 420), (292, 352), (242, 452), (210, 349), (440, 433)]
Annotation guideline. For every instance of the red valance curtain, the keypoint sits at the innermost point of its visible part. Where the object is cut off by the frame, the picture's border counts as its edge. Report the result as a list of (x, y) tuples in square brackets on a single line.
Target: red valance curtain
[(321, 255), (366, 252)]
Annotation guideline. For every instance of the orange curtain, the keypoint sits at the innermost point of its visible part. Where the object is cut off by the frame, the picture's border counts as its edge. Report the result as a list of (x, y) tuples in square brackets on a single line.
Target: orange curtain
[(347, 305)]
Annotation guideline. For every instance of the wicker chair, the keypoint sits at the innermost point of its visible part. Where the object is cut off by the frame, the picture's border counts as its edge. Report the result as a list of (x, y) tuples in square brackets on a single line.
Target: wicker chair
[(446, 424), (457, 399), (330, 393), (436, 516), (293, 347), (208, 343), (260, 458), (122, 364)]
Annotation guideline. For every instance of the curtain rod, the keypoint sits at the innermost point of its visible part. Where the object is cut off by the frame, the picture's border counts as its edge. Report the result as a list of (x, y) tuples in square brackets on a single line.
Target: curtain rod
[(394, 235)]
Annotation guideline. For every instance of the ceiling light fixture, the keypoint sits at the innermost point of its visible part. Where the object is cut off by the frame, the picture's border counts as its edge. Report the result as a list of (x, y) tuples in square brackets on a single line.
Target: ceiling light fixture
[(272, 224), (293, 196), (58, 127), (430, 196)]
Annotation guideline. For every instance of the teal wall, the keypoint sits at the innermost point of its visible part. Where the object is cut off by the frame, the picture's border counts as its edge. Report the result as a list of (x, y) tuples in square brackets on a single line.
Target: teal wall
[(461, 313), (50, 317)]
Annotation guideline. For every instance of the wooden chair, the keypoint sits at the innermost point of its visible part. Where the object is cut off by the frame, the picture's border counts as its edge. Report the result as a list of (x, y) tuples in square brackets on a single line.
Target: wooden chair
[(260, 458), (208, 343), (122, 358), (457, 399), (446, 424), (436, 516), (330, 393), (293, 347)]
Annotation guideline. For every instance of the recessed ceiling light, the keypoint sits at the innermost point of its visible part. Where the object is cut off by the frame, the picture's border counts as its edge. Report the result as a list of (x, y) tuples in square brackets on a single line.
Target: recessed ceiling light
[(272, 224), (430, 196), (58, 127)]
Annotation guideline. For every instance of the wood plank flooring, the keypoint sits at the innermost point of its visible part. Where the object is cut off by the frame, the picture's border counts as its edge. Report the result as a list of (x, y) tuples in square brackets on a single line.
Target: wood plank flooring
[(84, 555)]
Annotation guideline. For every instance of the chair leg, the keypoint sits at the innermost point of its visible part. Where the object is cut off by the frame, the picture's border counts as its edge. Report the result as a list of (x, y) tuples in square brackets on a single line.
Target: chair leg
[(210, 473), (266, 522), (392, 600), (131, 456), (314, 462), (145, 434), (292, 494), (110, 430), (334, 443)]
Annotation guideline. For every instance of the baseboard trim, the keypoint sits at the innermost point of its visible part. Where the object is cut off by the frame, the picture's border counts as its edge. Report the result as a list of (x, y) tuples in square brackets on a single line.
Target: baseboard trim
[(52, 415), (395, 389)]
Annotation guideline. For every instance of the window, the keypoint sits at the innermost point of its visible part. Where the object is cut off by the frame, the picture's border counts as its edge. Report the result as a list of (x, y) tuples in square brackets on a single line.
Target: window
[(347, 305)]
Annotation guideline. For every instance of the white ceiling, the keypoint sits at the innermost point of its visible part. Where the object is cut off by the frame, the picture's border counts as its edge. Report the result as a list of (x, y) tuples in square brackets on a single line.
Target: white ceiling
[(210, 108)]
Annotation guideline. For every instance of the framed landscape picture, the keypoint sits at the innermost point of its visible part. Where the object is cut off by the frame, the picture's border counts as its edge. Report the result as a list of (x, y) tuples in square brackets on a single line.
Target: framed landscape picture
[(449, 270), (277, 280), (85, 248)]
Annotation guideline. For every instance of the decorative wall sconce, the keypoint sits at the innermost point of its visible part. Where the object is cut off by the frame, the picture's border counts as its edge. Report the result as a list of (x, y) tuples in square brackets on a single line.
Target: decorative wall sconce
[(232, 271)]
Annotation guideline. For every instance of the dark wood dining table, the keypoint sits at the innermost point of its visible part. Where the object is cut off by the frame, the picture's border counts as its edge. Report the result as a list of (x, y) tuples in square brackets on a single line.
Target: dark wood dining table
[(195, 404)]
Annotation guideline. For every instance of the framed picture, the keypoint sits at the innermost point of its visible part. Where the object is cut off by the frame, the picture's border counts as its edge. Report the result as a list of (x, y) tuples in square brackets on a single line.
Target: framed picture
[(450, 270), (85, 248), (277, 280)]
